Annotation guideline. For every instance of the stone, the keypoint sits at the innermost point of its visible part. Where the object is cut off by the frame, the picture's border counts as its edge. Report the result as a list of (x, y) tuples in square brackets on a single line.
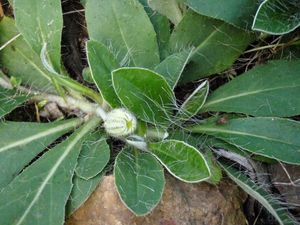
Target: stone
[(182, 204)]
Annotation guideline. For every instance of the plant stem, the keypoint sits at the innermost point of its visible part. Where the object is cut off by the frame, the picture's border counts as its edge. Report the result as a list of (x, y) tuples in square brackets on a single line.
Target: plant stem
[(66, 102), (293, 42), (80, 88)]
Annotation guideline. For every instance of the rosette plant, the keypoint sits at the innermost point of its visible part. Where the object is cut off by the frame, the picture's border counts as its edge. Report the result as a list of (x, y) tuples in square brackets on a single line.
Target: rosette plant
[(153, 67)]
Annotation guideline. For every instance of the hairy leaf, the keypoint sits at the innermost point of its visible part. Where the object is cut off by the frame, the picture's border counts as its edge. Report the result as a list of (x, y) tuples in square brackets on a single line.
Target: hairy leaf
[(40, 22), (83, 2), (182, 160), (172, 67), (87, 75), (239, 13), (260, 194), (217, 44), (139, 179), (268, 90), (25, 201), (123, 26), (215, 169), (93, 157), (19, 60), (193, 104), (81, 191), (168, 8), (270, 137), (145, 93), (200, 143), (9, 100), (277, 16), (161, 26), (22, 141), (102, 62)]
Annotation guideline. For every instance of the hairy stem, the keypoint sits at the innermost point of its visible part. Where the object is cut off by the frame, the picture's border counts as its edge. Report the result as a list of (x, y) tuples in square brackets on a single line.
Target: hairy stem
[(80, 88), (66, 102)]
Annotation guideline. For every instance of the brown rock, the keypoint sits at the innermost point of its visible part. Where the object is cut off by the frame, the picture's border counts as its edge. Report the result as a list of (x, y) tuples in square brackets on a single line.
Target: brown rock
[(182, 204)]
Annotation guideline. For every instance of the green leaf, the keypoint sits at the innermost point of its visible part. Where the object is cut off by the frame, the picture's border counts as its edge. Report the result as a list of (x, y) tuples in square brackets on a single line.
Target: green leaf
[(268, 90), (236, 12), (21, 142), (194, 102), (124, 26), (204, 142), (260, 194), (41, 22), (216, 143), (215, 169), (217, 44), (145, 93), (87, 75), (19, 60), (139, 180), (161, 26), (277, 17), (270, 137), (200, 143), (182, 160), (9, 100), (25, 201), (172, 67), (83, 2), (81, 191), (93, 157), (168, 8), (102, 62)]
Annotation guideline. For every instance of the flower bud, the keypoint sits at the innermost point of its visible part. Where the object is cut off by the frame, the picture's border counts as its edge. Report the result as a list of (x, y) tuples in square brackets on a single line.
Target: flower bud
[(120, 122)]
